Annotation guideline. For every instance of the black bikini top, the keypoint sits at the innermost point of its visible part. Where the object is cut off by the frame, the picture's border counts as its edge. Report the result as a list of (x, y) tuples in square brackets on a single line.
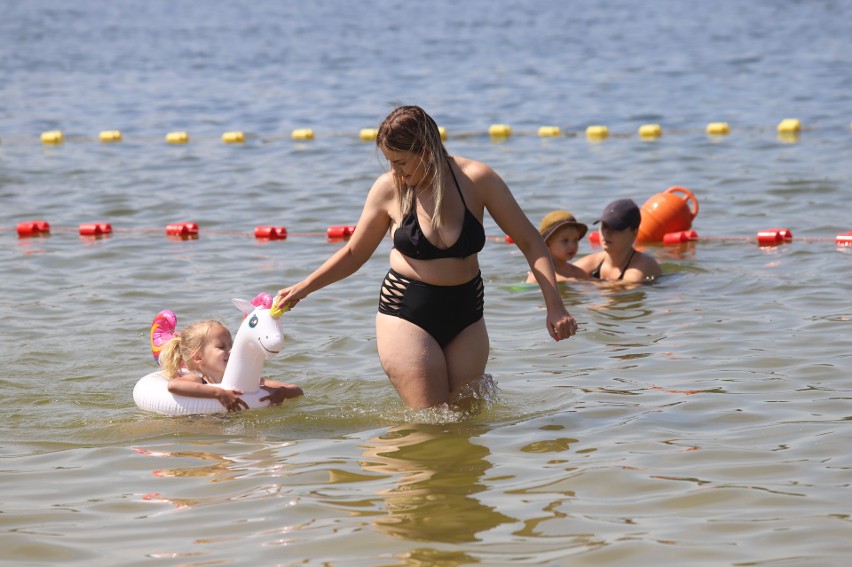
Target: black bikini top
[(409, 239), (596, 273)]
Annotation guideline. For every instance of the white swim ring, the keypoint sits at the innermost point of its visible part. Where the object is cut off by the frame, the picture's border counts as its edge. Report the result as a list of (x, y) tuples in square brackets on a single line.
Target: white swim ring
[(151, 393)]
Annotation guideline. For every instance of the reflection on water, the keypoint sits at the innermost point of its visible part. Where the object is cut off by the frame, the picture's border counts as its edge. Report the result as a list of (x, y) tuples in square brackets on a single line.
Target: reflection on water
[(621, 304), (440, 472), (217, 468), (219, 465)]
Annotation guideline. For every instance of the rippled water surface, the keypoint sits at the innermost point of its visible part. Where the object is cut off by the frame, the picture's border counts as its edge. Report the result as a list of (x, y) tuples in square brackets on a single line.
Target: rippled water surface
[(699, 420)]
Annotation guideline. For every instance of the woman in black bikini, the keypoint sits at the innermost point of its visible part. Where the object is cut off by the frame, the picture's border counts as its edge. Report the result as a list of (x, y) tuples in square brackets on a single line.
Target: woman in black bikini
[(430, 333), (619, 261)]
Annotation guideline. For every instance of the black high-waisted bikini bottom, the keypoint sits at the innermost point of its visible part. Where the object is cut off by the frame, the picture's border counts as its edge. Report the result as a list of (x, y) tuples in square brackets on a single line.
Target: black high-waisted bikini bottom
[(441, 311)]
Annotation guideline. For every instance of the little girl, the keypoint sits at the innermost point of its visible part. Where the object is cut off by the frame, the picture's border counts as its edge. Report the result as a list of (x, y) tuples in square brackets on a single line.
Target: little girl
[(562, 234), (196, 357)]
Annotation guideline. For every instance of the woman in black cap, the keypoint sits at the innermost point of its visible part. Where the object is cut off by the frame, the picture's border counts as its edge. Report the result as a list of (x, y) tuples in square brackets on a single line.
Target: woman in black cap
[(620, 261)]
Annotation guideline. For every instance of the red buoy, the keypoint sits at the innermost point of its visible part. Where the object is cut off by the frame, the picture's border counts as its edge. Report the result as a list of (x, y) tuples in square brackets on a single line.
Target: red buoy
[(270, 232), (182, 230), (844, 239), (680, 237), (95, 229), (339, 232), (33, 228), (774, 236), (667, 212)]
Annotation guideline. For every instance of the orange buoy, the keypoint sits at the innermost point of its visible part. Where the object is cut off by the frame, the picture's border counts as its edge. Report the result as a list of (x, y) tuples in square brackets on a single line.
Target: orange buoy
[(667, 212), (595, 238)]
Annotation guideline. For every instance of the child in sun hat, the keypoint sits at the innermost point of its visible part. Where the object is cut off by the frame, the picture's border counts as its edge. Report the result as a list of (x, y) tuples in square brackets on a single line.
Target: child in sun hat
[(562, 233)]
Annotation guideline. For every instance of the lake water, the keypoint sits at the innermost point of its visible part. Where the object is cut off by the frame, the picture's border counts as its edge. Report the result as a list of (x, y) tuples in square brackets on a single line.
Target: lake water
[(700, 420)]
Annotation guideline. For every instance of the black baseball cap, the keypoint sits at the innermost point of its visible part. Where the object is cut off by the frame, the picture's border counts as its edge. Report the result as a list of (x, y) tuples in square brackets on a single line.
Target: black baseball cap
[(621, 214)]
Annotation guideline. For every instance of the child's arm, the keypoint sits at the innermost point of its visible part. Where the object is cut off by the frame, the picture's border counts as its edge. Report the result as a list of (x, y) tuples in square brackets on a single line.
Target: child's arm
[(576, 272), (279, 391), (230, 399)]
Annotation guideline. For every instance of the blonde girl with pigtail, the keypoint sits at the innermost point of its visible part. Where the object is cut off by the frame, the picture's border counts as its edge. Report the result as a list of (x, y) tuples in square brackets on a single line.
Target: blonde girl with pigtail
[(195, 358)]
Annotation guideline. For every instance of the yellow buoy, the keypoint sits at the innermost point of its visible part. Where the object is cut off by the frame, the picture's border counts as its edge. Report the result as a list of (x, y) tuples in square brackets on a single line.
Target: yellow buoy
[(500, 130), (549, 131), (718, 128), (302, 134), (177, 137), (597, 132), (443, 132), (650, 131), (110, 136), (368, 134), (52, 137), (233, 137), (789, 126)]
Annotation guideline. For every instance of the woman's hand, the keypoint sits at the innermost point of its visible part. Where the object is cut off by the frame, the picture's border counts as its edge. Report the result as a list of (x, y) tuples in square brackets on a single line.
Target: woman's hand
[(561, 325), (285, 298)]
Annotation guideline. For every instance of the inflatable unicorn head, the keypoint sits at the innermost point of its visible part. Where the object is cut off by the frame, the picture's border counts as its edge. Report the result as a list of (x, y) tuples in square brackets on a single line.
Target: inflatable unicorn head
[(259, 337)]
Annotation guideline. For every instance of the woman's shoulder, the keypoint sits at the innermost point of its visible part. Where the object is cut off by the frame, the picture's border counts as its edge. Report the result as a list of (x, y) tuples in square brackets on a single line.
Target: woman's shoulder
[(644, 256), (474, 170), (384, 181), (383, 188), (648, 264), (488, 187)]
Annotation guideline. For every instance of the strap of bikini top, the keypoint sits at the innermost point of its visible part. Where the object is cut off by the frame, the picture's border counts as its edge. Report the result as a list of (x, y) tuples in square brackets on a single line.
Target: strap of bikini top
[(458, 187), (627, 264)]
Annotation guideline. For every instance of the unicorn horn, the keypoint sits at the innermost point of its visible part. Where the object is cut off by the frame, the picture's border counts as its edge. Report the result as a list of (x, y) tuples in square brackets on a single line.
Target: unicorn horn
[(277, 311)]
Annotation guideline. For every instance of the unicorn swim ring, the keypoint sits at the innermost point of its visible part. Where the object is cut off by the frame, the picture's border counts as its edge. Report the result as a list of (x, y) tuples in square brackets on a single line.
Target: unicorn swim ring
[(259, 337)]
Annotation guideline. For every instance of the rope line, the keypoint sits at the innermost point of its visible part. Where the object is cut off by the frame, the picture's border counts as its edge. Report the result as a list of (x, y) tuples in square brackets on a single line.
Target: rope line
[(788, 129), (333, 234)]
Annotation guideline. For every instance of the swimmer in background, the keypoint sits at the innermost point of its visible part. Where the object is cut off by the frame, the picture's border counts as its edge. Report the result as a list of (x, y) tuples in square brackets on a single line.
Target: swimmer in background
[(562, 233), (196, 357), (620, 261)]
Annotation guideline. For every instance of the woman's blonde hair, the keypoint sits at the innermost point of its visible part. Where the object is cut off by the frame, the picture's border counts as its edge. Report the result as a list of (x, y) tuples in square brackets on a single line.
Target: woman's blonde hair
[(182, 348), (410, 129)]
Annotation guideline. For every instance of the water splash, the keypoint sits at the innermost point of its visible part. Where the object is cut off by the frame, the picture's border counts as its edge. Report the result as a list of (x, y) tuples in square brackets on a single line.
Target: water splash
[(470, 401)]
